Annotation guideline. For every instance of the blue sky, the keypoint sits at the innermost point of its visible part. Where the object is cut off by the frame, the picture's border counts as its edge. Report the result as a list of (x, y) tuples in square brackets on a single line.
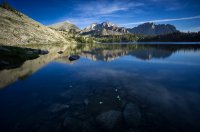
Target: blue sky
[(184, 14)]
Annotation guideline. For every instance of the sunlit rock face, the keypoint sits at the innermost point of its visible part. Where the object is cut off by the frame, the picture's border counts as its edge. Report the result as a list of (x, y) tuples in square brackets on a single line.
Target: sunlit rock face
[(20, 29), (153, 29), (65, 26), (91, 27), (105, 28), (108, 28)]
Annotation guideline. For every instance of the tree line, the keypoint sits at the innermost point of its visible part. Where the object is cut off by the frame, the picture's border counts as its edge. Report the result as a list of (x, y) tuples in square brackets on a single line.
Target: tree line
[(173, 37)]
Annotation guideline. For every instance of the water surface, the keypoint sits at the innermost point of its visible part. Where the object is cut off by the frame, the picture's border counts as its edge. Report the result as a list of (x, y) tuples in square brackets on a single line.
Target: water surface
[(157, 86)]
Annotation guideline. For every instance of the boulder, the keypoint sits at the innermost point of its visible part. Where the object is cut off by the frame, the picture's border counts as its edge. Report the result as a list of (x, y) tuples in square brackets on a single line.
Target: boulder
[(58, 107), (71, 124), (110, 120), (86, 101), (74, 125), (132, 114)]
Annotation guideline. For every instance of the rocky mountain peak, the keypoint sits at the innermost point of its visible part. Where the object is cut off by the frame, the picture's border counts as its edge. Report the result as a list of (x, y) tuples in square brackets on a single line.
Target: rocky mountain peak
[(91, 27), (108, 28), (105, 28), (153, 29), (107, 24), (65, 26)]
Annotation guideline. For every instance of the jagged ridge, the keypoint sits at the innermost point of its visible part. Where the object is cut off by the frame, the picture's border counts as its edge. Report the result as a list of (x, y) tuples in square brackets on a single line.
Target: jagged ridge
[(105, 28), (153, 29)]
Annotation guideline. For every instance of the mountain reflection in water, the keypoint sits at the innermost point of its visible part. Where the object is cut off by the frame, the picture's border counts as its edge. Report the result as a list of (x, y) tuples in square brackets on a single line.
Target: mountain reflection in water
[(112, 87), (95, 52)]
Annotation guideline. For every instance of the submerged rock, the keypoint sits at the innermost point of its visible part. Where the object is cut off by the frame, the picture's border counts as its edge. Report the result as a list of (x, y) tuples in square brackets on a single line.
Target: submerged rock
[(58, 107), (132, 114), (74, 57), (109, 120), (74, 125), (71, 124), (86, 101)]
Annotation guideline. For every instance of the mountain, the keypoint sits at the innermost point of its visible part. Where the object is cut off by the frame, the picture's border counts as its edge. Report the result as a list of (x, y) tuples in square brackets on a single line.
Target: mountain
[(65, 26), (17, 28), (104, 29), (153, 29), (108, 28)]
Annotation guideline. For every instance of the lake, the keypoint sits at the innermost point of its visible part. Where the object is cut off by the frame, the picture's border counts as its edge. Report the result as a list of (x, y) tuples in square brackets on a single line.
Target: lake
[(112, 87)]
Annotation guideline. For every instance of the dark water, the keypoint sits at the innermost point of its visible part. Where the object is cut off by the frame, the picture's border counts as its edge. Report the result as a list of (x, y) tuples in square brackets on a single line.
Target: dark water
[(122, 88)]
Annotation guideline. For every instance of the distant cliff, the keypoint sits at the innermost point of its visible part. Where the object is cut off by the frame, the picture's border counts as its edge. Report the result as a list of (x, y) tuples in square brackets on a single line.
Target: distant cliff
[(107, 28), (153, 29), (173, 37)]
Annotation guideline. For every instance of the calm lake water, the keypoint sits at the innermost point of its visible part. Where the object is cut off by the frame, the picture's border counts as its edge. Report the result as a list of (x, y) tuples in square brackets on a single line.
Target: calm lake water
[(112, 87)]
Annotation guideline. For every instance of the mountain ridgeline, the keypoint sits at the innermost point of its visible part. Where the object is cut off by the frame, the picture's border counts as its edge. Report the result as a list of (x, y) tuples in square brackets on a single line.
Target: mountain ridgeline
[(103, 29), (153, 29), (17, 28), (107, 28), (108, 32), (65, 26)]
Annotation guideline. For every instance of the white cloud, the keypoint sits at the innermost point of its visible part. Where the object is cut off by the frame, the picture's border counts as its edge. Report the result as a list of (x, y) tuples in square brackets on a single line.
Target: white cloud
[(106, 8), (164, 20), (96, 11), (85, 13)]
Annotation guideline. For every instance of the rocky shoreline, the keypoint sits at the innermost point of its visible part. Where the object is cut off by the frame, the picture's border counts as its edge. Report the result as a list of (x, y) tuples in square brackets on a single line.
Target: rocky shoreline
[(12, 57)]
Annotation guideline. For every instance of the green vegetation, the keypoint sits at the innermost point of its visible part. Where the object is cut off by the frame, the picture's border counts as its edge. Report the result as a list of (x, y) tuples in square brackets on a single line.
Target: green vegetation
[(173, 37), (82, 39), (118, 38), (108, 38), (6, 6), (106, 51)]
